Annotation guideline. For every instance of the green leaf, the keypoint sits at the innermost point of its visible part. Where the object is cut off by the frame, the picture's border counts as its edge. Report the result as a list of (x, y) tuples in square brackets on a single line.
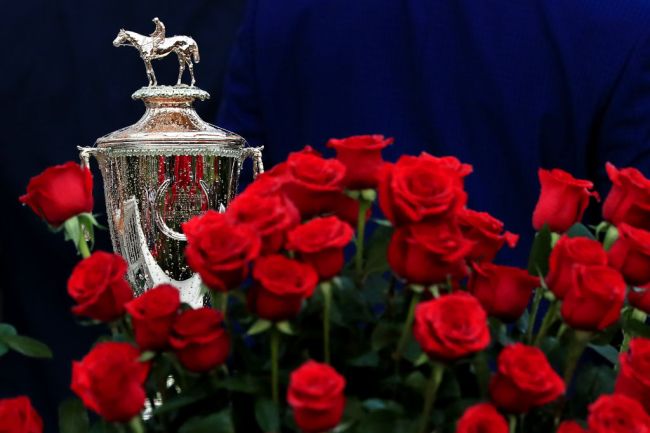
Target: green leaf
[(385, 334), (376, 250), (179, 401), (72, 230), (5, 329), (259, 326), (540, 252), (285, 327), (220, 422), (370, 359), (147, 356), (579, 230), (26, 345), (244, 384), (382, 222), (267, 415), (73, 417), (376, 404), (608, 352), (416, 381)]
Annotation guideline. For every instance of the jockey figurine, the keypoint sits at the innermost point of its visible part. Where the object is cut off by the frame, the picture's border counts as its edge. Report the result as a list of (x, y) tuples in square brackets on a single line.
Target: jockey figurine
[(158, 35)]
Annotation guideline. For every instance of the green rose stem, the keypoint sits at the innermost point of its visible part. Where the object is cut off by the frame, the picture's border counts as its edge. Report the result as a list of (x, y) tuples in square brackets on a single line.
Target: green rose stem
[(136, 425), (512, 422), (549, 319), (629, 315), (275, 349), (430, 391), (408, 324), (539, 294), (326, 288), (367, 196), (84, 250), (577, 347)]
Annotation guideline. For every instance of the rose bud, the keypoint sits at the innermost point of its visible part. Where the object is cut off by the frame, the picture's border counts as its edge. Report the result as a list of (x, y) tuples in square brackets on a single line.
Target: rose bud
[(220, 250), (428, 253), (271, 215), (18, 416), (281, 285), (567, 253), (361, 156), (562, 201), (60, 192), (313, 183), (503, 291), (617, 413), (639, 297), (423, 187), (524, 379), (199, 339), (570, 427), (595, 301), (152, 315), (485, 233), (629, 199), (630, 254), (451, 327), (315, 394), (633, 379), (98, 286), (482, 418), (110, 381), (320, 243)]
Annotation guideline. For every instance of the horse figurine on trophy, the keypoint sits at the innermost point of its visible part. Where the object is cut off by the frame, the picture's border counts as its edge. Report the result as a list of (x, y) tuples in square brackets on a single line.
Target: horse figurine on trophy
[(157, 46)]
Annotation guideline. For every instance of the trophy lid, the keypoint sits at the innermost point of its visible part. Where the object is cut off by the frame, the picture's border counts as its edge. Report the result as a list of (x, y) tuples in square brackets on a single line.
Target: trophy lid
[(170, 121), (170, 125)]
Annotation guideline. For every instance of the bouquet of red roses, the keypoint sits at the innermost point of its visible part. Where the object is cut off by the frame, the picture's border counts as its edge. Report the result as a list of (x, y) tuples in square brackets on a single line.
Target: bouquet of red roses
[(421, 331)]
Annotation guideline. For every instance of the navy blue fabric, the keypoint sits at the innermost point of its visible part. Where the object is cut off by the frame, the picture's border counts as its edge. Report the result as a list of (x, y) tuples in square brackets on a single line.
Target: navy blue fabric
[(63, 84), (506, 85)]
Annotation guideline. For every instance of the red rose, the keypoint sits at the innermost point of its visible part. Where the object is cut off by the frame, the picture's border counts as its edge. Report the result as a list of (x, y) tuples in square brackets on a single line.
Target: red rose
[(281, 284), (418, 188), (451, 326), (639, 297), (220, 250), (98, 286), (347, 209), (485, 233), (199, 339), (428, 253), (18, 416), (316, 396), (562, 201), (503, 291), (617, 413), (152, 314), (271, 215), (361, 156), (60, 192), (482, 418), (312, 183), (633, 379), (596, 298), (320, 243), (570, 427), (629, 199), (524, 379), (567, 253), (630, 254), (110, 381)]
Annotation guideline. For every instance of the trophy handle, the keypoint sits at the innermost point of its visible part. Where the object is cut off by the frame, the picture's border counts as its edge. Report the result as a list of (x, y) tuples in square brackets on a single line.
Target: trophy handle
[(255, 154), (85, 153)]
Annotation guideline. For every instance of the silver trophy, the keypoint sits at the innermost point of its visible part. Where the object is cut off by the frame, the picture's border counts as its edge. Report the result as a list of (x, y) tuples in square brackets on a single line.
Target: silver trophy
[(165, 169)]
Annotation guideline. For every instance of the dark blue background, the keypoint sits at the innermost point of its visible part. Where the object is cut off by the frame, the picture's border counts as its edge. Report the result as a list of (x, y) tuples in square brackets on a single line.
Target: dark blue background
[(63, 84)]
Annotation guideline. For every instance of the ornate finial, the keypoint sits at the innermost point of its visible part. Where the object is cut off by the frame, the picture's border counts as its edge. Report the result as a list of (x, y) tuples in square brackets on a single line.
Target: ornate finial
[(156, 46)]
